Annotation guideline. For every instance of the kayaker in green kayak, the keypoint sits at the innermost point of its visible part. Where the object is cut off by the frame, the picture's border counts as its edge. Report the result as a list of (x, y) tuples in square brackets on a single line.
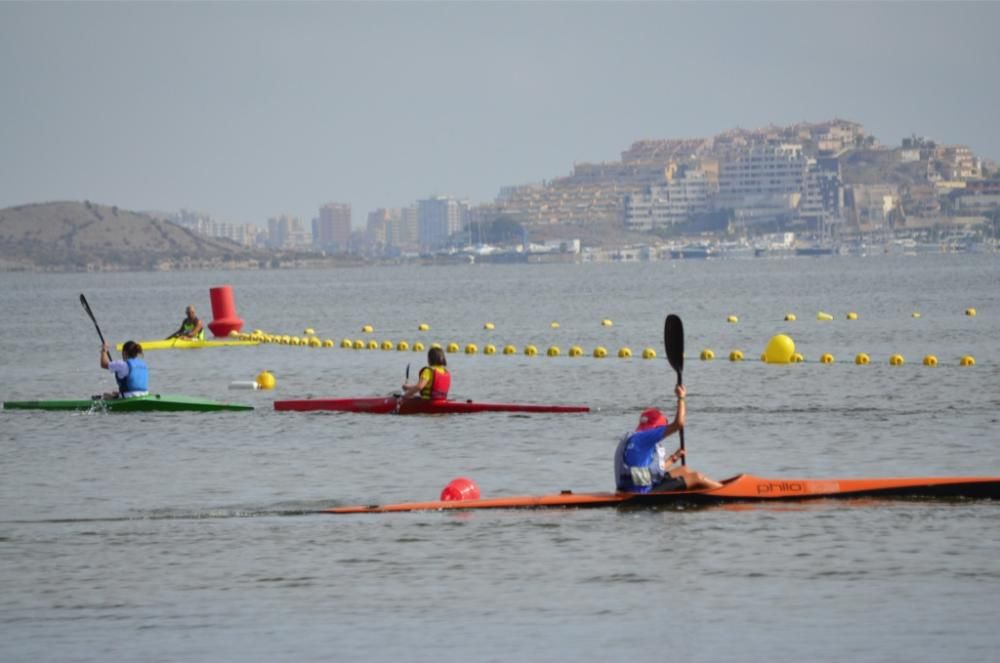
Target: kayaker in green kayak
[(130, 371), (433, 381), (191, 327)]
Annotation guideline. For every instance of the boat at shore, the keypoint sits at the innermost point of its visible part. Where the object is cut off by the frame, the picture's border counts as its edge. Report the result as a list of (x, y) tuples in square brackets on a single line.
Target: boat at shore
[(741, 488), (150, 403), (394, 405), (187, 344)]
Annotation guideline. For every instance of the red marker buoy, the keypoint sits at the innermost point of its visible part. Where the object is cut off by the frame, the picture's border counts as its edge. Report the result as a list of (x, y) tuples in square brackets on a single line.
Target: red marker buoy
[(460, 489), (223, 311)]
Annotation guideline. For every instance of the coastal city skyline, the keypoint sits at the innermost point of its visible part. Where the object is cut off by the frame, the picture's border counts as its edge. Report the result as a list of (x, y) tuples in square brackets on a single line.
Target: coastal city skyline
[(384, 105)]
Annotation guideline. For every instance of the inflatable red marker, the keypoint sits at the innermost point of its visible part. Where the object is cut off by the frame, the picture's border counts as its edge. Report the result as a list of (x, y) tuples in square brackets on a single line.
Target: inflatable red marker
[(460, 489)]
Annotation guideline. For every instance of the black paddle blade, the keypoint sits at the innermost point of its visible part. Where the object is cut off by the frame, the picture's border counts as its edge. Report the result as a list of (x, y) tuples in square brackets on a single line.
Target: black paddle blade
[(673, 343), (86, 307)]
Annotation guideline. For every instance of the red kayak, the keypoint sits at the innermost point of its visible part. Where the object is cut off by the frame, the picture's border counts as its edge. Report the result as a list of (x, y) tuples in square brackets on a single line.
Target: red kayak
[(393, 405), (741, 488)]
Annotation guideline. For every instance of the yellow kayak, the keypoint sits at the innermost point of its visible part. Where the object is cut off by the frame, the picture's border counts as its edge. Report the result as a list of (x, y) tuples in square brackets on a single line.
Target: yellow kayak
[(187, 344)]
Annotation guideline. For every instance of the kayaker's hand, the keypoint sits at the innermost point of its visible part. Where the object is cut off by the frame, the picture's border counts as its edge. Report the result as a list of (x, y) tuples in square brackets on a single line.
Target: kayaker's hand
[(105, 348), (680, 391)]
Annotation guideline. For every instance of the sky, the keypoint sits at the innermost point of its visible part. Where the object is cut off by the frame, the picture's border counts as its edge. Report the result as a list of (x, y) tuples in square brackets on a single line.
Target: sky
[(248, 110)]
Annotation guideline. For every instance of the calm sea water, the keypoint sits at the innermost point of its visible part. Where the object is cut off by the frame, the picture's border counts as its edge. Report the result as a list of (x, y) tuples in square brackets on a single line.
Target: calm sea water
[(188, 536)]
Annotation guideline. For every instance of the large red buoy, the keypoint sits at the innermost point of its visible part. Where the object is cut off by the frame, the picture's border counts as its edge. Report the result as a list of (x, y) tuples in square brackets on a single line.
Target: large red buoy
[(460, 489), (223, 311)]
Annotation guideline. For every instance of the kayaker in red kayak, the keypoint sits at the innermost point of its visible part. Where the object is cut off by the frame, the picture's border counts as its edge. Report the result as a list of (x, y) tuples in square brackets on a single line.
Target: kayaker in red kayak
[(191, 327), (130, 371), (641, 461), (433, 381)]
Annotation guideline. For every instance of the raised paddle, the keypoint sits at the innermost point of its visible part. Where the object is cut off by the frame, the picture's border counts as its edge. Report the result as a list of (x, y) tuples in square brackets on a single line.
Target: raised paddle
[(86, 307), (673, 344)]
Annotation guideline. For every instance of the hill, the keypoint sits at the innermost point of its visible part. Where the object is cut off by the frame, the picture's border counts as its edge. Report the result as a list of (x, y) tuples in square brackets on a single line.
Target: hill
[(74, 236)]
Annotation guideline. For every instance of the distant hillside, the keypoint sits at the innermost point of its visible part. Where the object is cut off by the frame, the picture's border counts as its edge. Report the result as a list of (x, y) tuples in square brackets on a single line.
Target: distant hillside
[(72, 236)]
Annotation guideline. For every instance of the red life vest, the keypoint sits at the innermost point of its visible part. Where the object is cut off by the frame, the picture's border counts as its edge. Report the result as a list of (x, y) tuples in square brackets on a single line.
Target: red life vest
[(437, 390)]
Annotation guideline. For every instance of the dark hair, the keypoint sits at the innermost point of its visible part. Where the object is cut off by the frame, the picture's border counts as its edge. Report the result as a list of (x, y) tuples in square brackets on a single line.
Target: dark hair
[(435, 357), (131, 350)]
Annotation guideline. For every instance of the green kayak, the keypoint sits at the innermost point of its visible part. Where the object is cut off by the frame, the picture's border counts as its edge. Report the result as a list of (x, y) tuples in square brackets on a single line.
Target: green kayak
[(151, 403)]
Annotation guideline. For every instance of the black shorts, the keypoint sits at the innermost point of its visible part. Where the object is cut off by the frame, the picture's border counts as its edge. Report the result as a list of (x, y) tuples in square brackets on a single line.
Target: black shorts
[(670, 483)]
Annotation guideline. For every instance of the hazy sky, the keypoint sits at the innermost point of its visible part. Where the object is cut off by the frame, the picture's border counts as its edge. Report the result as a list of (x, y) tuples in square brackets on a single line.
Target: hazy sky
[(247, 110)]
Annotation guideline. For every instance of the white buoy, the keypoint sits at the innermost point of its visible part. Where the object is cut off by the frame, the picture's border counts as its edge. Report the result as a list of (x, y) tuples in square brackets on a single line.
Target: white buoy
[(244, 384)]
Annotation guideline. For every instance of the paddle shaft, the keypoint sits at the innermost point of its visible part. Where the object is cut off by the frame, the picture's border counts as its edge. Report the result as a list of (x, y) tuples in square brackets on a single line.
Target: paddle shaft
[(86, 307)]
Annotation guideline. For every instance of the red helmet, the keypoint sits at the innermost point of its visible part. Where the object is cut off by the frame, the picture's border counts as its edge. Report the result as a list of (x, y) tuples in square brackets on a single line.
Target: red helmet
[(651, 418)]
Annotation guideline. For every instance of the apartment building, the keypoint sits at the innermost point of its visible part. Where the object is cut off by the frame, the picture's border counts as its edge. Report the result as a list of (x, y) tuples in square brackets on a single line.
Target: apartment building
[(438, 218), (286, 232), (332, 230), (678, 200)]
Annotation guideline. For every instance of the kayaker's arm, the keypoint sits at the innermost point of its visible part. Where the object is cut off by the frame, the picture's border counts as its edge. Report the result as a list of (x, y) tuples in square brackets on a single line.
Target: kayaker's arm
[(105, 356), (410, 390), (681, 415)]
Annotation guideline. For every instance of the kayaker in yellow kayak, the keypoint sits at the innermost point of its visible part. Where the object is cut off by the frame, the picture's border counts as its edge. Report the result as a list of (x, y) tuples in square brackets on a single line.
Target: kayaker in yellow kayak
[(130, 371), (641, 461), (191, 327), (433, 381)]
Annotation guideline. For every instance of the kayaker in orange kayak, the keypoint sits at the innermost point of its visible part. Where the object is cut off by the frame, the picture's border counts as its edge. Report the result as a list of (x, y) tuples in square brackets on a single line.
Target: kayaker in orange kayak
[(130, 371), (191, 327), (641, 461), (433, 381)]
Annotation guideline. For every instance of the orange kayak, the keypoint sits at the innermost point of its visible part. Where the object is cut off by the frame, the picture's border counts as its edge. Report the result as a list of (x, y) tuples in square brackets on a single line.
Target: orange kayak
[(741, 488)]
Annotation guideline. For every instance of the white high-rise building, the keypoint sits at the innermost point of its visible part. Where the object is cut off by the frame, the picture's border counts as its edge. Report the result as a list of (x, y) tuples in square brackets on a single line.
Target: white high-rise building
[(438, 218), (676, 201)]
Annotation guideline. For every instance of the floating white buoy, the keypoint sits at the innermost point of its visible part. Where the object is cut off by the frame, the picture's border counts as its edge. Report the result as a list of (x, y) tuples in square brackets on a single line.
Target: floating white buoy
[(244, 384)]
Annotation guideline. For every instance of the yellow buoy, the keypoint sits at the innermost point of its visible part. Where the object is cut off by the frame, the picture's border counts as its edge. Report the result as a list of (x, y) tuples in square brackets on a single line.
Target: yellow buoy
[(418, 347), (600, 352), (471, 348), (852, 316), (509, 350), (435, 344), (826, 358), (915, 314), (624, 353), (553, 351), (295, 340), (328, 343), (358, 344), (971, 312), (967, 360), (388, 345), (373, 344), (402, 346), (490, 349), (607, 323), (862, 359), (452, 347), (315, 342), (732, 318), (825, 317), (265, 380), (309, 331), (367, 329), (489, 325), (649, 353), (347, 343), (234, 334), (423, 326), (530, 350), (736, 355), (789, 317), (930, 360), (554, 324), (779, 349), (707, 355), (797, 358), (575, 351), (896, 360)]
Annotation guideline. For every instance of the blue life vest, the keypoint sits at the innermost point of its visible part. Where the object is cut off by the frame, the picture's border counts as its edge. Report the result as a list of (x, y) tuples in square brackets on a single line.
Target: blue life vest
[(137, 378), (640, 460)]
